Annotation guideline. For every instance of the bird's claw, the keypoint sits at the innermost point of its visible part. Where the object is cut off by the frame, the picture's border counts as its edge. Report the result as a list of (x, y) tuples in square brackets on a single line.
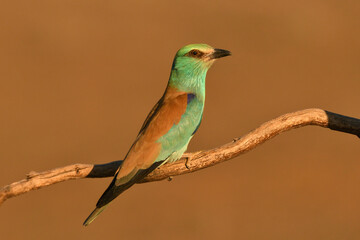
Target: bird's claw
[(186, 163)]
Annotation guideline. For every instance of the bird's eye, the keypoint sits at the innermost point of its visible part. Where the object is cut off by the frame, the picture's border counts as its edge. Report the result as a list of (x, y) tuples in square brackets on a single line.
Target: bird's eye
[(195, 53)]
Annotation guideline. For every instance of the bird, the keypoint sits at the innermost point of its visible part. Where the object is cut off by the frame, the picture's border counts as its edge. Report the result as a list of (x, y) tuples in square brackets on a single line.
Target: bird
[(170, 125)]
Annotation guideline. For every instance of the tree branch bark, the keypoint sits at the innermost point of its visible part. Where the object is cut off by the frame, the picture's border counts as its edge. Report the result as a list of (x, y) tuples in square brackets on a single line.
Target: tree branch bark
[(195, 161)]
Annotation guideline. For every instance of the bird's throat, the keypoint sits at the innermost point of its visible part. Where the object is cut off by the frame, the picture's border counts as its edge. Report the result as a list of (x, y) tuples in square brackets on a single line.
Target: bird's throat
[(189, 82)]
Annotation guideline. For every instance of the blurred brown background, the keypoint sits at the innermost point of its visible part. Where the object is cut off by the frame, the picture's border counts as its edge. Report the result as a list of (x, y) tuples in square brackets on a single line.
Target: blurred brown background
[(77, 79)]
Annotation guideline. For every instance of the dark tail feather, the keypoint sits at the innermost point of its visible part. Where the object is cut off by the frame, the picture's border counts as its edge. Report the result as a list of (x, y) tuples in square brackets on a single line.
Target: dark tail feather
[(113, 191), (93, 215)]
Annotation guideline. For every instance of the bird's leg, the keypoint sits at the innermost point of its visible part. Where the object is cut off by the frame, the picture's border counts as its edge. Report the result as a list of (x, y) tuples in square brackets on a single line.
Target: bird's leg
[(186, 162)]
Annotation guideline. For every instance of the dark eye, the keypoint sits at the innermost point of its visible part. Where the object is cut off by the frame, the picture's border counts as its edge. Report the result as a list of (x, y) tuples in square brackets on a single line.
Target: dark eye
[(195, 53)]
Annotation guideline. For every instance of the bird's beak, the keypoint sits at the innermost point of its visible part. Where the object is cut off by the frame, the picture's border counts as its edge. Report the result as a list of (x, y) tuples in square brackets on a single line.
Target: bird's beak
[(219, 53)]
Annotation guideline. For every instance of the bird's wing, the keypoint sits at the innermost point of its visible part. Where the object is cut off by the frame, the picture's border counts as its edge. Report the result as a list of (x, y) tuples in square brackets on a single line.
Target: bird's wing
[(142, 156), (146, 148), (151, 114)]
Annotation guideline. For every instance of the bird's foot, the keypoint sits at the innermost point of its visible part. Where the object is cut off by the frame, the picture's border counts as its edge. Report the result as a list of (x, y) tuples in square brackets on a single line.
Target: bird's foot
[(186, 163)]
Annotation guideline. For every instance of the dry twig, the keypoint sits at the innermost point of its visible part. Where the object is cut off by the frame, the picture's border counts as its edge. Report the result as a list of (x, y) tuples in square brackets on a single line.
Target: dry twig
[(195, 161)]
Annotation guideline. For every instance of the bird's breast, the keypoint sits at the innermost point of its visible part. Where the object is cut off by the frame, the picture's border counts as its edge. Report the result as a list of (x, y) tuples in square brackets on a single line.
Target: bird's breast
[(180, 134)]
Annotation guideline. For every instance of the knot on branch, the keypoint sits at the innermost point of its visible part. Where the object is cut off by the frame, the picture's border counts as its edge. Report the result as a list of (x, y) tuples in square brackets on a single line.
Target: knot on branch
[(32, 174)]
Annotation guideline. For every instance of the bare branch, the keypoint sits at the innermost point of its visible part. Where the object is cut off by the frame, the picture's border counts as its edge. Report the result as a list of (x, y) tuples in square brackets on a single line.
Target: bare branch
[(195, 161)]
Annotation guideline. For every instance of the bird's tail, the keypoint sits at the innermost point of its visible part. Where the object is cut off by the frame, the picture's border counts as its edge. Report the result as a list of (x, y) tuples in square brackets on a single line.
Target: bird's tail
[(115, 190), (94, 214)]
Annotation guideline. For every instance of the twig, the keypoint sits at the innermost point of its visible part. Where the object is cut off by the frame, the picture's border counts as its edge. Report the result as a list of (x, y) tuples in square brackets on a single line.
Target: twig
[(195, 161)]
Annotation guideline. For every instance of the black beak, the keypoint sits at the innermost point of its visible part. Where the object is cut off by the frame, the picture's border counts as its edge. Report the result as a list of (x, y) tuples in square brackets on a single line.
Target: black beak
[(219, 53)]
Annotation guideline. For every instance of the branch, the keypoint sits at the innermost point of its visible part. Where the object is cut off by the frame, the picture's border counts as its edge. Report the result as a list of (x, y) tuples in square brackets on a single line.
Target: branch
[(195, 161)]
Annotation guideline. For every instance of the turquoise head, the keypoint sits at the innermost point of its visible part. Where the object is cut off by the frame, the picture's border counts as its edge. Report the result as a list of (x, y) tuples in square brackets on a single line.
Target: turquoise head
[(191, 64)]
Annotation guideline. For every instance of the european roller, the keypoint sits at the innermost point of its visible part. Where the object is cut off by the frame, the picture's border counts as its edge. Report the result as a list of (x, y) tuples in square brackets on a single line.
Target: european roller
[(170, 125)]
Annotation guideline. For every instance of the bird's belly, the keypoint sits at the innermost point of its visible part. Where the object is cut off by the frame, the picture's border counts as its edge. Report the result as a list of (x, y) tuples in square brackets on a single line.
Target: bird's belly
[(177, 155)]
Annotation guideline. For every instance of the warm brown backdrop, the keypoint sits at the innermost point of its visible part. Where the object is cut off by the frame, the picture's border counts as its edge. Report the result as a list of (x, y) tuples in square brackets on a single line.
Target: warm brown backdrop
[(77, 78)]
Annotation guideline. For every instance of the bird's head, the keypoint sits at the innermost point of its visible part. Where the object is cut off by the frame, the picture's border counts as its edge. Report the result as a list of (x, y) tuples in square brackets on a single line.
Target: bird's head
[(197, 57), (190, 66)]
